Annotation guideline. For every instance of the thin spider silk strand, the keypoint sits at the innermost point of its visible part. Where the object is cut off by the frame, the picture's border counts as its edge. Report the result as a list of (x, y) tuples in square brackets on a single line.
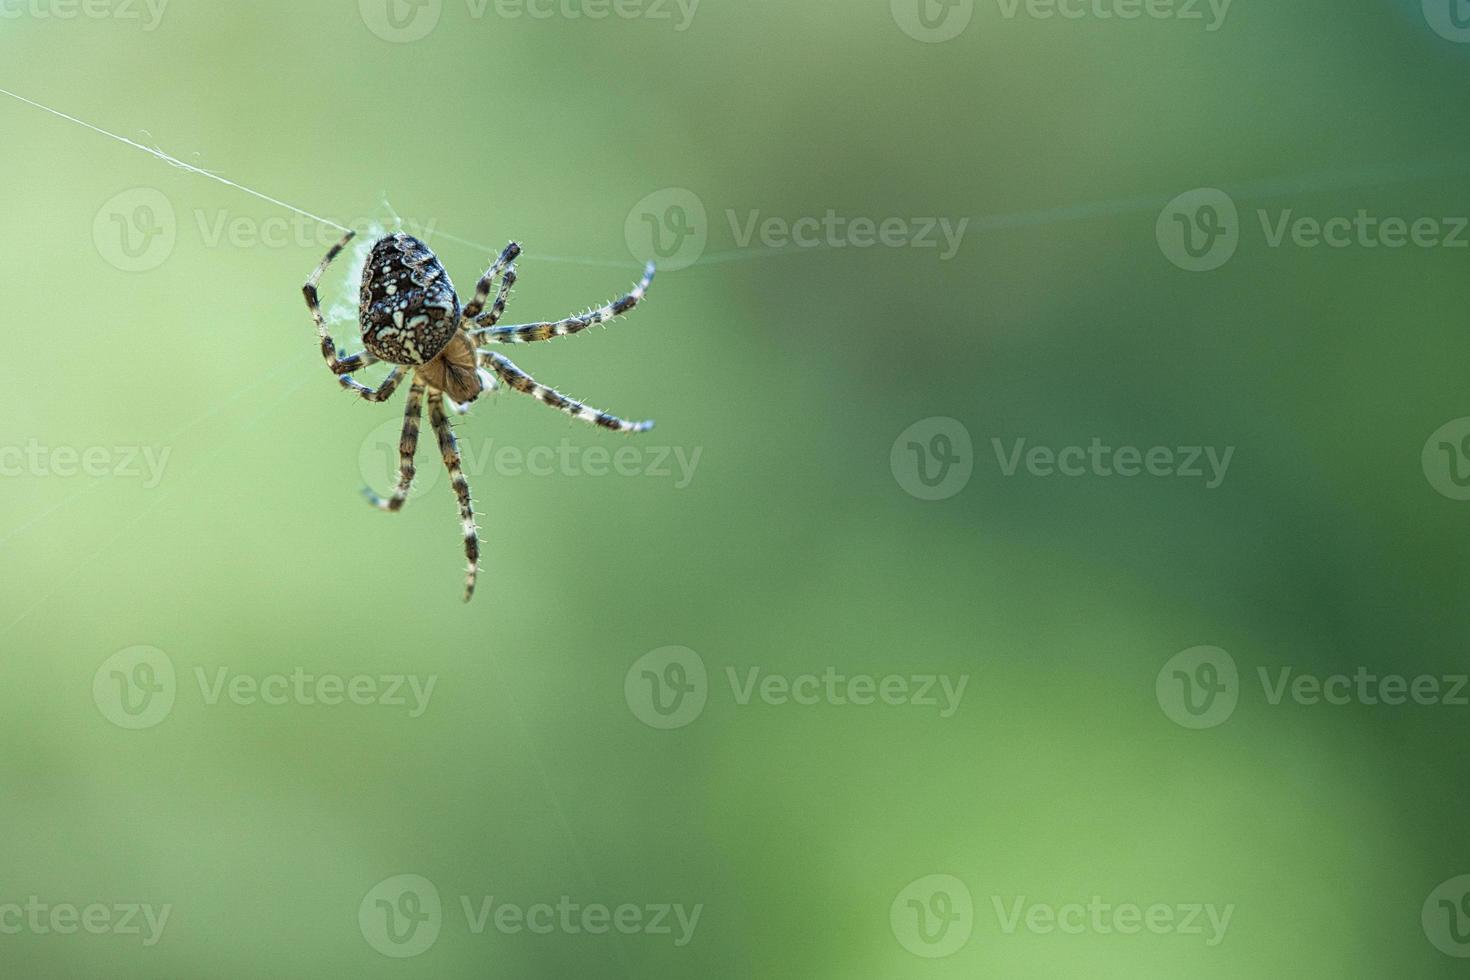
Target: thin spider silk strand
[(174, 161)]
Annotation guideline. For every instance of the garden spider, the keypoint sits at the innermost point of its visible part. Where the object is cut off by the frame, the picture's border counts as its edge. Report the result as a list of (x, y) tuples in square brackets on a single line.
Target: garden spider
[(411, 318)]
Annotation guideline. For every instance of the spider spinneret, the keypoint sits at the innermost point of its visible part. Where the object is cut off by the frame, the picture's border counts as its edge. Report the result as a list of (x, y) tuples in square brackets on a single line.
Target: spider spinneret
[(411, 318)]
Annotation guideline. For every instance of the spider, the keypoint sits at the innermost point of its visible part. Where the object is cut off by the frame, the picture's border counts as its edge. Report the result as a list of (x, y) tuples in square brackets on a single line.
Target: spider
[(411, 318)]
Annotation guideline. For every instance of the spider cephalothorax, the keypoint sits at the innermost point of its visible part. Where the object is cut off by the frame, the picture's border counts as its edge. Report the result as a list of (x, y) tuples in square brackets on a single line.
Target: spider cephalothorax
[(411, 318)]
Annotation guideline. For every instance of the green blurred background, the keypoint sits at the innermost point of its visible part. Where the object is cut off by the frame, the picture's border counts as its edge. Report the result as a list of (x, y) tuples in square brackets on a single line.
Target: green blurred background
[(155, 310)]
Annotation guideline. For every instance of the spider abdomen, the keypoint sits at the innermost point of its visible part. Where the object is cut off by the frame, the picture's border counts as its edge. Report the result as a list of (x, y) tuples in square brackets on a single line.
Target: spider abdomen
[(408, 308)]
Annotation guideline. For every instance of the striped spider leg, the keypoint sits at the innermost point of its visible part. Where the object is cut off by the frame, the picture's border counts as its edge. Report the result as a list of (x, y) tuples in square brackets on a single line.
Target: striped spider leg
[(520, 381), (408, 445), (341, 364), (487, 332), (508, 280), (449, 450), (482, 288)]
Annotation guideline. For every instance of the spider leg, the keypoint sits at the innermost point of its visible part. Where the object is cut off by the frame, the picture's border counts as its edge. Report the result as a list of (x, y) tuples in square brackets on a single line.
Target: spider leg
[(408, 444), (482, 290), (488, 381), (382, 392), (313, 303), (525, 333), (497, 310), (449, 449), (347, 363), (527, 385)]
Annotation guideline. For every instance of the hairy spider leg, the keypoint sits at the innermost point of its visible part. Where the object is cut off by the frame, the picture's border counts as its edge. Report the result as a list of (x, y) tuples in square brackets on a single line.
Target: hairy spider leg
[(527, 385), (408, 444), (449, 450), (337, 364), (482, 289), (489, 333)]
